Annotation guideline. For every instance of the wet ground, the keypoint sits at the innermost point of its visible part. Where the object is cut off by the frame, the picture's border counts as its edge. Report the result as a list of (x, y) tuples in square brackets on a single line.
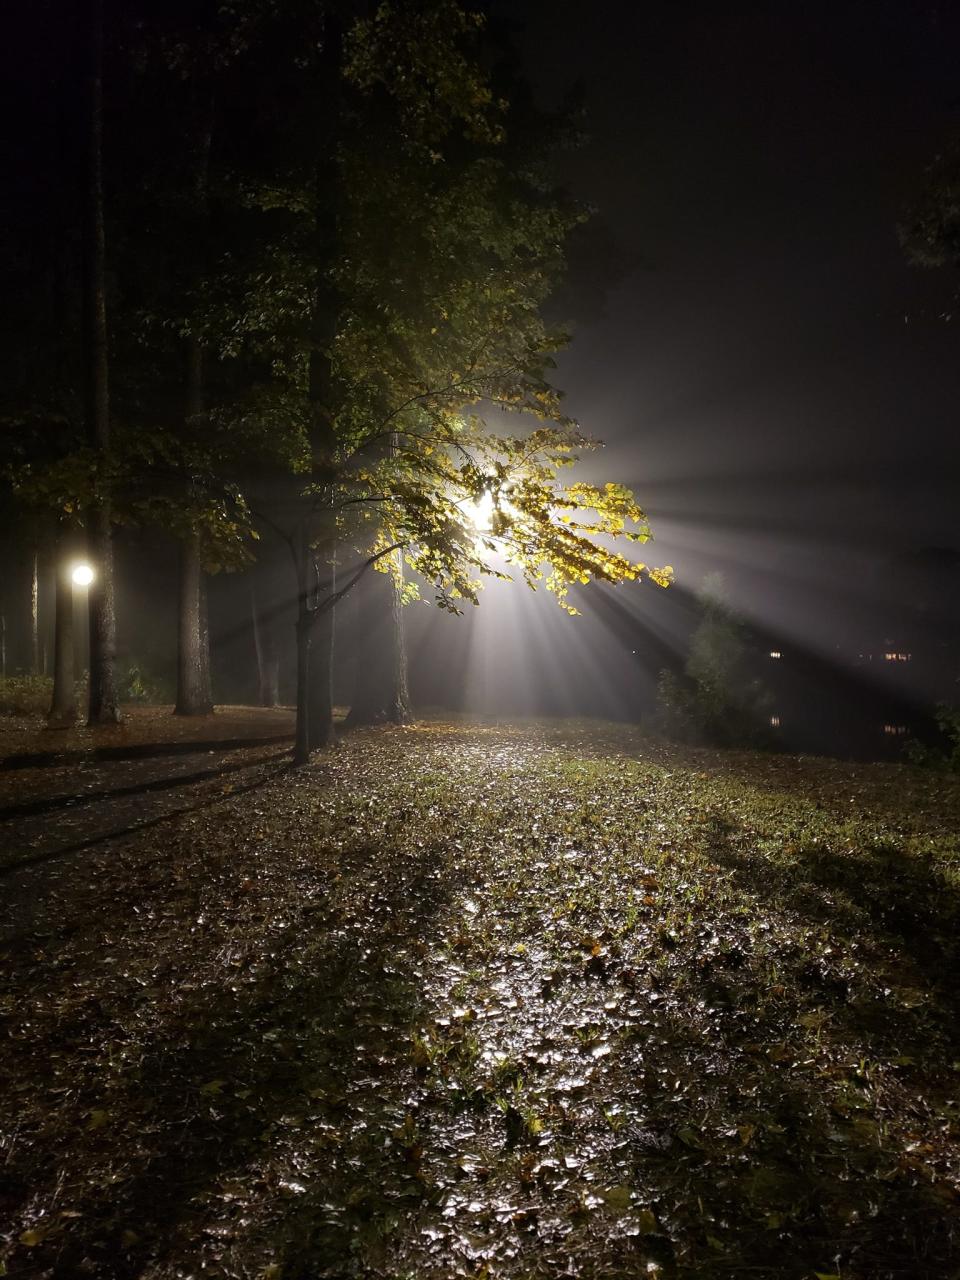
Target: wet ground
[(64, 793), (541, 1000)]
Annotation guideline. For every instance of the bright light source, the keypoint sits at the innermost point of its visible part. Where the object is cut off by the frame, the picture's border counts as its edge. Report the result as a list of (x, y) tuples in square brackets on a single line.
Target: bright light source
[(82, 575), (479, 512)]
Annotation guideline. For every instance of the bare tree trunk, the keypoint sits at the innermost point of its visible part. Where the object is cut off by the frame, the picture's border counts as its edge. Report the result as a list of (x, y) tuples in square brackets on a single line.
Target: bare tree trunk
[(268, 653), (63, 708), (104, 707), (193, 693)]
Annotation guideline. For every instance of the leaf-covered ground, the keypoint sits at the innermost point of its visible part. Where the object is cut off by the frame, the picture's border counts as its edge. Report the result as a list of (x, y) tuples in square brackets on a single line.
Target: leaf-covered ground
[(142, 727), (500, 1001)]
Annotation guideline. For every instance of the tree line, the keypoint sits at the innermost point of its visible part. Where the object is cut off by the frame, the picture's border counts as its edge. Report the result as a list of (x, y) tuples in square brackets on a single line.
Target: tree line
[(279, 271)]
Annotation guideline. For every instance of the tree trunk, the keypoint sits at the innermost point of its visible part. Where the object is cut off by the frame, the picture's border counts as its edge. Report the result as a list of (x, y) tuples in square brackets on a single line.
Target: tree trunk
[(301, 748), (35, 615), (194, 694), (380, 682), (193, 676), (370, 683), (399, 711), (63, 708), (266, 645), (322, 732), (206, 680), (104, 706)]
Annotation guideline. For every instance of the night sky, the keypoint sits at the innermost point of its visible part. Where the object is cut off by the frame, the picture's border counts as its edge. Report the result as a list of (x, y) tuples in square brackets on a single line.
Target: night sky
[(773, 377)]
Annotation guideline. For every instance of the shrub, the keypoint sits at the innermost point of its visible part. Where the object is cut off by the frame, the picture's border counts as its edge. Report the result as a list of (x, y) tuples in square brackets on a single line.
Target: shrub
[(138, 684), (25, 695), (945, 756), (714, 702)]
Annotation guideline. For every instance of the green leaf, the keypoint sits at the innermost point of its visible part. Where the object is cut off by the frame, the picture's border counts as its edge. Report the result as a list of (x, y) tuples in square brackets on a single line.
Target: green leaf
[(617, 1198)]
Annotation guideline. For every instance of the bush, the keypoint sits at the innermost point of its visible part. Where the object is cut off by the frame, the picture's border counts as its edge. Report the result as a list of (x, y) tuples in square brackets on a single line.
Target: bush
[(945, 756), (25, 695), (714, 703), (138, 684)]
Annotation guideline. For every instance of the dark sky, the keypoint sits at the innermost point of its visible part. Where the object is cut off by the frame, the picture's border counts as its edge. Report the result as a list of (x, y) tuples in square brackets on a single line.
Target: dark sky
[(771, 375)]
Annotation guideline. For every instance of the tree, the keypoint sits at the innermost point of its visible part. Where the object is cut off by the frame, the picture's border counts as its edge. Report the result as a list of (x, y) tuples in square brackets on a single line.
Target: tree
[(380, 355)]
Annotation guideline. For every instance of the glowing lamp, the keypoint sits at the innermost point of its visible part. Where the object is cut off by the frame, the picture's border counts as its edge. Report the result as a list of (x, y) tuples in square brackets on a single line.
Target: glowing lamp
[(82, 575)]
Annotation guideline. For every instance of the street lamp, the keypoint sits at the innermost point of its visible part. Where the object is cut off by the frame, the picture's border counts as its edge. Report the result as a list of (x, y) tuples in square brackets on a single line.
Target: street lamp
[(82, 575)]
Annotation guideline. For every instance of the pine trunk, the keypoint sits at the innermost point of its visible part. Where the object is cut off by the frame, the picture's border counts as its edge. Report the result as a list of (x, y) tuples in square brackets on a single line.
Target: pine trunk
[(104, 705)]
